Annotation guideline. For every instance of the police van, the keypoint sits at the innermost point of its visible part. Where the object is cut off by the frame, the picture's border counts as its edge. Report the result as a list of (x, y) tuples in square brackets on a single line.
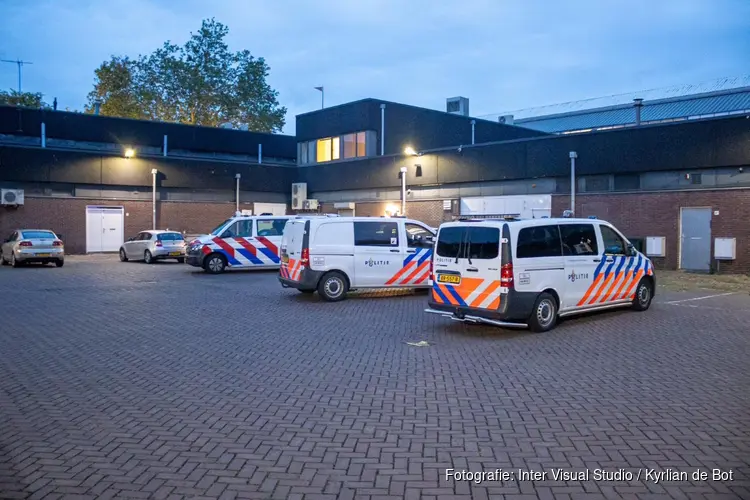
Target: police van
[(527, 273), (243, 242), (336, 254)]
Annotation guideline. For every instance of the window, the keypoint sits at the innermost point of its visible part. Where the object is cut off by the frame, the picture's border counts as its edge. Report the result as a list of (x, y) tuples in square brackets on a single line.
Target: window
[(271, 227), (449, 241), (375, 234), (170, 237), (579, 239), (541, 241), (311, 152), (613, 242), (324, 150), (142, 236), (418, 236), (696, 179), (627, 182), (361, 143), (350, 146), (217, 229), (484, 243), (303, 153), (240, 229), (38, 235), (336, 148), (596, 183)]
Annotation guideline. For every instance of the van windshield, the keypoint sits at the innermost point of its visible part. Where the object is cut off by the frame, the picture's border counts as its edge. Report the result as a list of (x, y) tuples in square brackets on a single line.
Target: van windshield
[(216, 231)]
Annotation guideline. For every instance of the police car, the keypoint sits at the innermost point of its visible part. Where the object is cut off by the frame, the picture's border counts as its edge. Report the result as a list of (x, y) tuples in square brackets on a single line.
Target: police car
[(336, 254), (528, 273), (242, 242)]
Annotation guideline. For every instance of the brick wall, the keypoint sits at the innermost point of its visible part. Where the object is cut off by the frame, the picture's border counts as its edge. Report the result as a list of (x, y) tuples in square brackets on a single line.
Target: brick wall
[(639, 215), (68, 217)]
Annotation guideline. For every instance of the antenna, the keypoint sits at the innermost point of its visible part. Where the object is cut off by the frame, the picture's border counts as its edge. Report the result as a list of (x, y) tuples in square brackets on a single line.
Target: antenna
[(20, 64)]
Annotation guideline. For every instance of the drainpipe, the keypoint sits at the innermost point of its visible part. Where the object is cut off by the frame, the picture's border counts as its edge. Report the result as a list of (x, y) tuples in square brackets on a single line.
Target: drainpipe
[(638, 103), (382, 130), (237, 197), (473, 124), (260, 153), (403, 191), (573, 155), (153, 199), (165, 144), (44, 135)]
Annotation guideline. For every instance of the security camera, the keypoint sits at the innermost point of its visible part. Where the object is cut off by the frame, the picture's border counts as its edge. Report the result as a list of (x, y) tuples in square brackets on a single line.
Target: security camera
[(460, 148), (408, 191)]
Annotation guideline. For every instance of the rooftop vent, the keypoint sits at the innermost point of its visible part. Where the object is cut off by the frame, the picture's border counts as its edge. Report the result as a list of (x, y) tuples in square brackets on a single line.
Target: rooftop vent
[(638, 103), (457, 106), (505, 119)]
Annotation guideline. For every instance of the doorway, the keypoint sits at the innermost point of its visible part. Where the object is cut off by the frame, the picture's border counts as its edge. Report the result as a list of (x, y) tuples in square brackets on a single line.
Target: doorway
[(695, 239), (104, 228)]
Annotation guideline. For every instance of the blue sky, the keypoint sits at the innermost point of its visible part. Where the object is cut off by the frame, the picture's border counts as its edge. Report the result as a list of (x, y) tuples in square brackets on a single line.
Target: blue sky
[(501, 54)]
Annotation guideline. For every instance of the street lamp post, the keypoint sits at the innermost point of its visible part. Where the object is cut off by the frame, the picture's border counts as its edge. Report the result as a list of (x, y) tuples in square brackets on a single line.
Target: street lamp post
[(403, 190), (153, 200), (573, 155), (237, 197)]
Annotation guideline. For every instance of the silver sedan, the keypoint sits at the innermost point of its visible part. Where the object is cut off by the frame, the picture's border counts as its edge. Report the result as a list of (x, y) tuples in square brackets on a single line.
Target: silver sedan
[(153, 245), (32, 245)]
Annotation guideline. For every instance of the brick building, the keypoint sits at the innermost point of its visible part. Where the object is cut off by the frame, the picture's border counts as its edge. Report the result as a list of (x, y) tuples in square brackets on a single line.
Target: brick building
[(675, 186)]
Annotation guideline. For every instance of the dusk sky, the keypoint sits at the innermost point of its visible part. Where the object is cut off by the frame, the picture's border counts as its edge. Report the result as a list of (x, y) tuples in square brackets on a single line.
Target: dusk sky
[(503, 55)]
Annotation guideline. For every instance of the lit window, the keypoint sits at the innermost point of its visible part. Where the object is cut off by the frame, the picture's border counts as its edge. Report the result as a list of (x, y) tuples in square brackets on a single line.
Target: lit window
[(336, 148), (324, 150), (361, 150), (350, 146)]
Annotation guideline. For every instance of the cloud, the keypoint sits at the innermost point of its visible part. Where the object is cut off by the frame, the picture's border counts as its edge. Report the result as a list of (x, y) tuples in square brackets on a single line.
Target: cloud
[(502, 54)]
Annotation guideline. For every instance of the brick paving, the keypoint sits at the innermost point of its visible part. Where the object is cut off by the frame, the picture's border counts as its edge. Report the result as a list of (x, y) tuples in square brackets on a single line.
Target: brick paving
[(135, 381)]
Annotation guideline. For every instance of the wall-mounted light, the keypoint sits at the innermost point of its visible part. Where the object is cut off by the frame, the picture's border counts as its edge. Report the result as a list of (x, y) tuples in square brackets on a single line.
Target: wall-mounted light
[(391, 210), (129, 152), (410, 151)]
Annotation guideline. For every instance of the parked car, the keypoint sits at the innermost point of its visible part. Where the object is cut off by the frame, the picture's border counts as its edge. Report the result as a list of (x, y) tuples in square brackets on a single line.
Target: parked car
[(32, 245), (152, 245)]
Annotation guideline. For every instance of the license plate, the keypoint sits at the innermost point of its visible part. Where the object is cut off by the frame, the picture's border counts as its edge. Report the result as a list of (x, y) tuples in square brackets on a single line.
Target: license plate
[(449, 278), (42, 255), (175, 253)]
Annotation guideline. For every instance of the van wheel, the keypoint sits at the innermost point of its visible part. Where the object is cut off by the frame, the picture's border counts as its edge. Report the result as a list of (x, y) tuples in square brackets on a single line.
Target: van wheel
[(333, 287), (643, 295), (544, 314), (215, 263)]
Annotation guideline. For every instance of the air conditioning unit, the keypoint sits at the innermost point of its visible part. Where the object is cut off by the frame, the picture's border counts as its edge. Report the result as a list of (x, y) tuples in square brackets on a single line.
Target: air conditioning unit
[(457, 106), (299, 195), (506, 119), (11, 197), (344, 206), (310, 204)]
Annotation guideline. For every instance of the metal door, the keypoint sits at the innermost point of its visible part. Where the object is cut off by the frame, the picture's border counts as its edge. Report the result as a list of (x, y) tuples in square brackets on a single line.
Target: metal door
[(695, 239)]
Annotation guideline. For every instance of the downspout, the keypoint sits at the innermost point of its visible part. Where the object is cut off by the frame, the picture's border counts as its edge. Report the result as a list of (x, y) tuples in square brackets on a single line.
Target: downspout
[(473, 124), (382, 130)]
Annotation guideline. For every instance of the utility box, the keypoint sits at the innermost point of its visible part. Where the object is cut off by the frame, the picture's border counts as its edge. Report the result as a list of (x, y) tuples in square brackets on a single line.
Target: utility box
[(656, 246), (725, 248)]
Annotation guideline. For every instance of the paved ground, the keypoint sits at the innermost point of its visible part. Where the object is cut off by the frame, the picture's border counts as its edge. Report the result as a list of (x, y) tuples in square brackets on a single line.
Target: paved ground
[(135, 381)]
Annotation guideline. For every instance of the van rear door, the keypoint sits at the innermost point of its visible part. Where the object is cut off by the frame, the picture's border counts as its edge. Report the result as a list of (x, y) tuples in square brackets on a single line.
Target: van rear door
[(467, 266), (292, 240)]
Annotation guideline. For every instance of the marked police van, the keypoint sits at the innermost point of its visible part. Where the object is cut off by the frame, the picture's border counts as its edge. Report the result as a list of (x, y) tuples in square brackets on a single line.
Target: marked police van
[(527, 273), (242, 241), (336, 254)]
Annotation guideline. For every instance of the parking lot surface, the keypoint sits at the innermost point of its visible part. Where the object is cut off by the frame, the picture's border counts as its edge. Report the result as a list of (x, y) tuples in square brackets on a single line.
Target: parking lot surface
[(126, 380)]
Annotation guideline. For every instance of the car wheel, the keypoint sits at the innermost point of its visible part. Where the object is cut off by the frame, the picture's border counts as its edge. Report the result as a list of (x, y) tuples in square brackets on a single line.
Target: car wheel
[(333, 286), (147, 257), (181, 260), (544, 315), (13, 261), (643, 295), (123, 255), (59, 263), (215, 263)]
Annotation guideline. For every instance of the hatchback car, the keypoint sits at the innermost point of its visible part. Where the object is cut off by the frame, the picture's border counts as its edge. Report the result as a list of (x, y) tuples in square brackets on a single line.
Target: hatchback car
[(32, 245), (150, 246)]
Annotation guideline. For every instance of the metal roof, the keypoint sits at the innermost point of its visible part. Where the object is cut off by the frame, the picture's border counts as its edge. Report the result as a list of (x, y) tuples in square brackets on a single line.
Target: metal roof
[(722, 97)]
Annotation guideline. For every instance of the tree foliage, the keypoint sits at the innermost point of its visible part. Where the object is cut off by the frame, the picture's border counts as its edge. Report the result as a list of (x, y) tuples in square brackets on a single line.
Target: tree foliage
[(199, 83), (23, 99)]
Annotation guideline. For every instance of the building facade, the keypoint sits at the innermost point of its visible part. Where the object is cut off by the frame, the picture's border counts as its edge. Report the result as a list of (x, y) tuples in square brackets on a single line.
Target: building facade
[(674, 188)]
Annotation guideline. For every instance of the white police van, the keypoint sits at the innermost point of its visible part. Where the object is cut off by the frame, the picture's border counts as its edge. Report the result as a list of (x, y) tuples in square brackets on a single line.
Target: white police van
[(336, 254), (527, 273), (242, 241)]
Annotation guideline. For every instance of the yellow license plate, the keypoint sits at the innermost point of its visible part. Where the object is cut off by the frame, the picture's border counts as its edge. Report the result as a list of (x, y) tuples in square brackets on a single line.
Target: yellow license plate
[(449, 278), (42, 255), (175, 253)]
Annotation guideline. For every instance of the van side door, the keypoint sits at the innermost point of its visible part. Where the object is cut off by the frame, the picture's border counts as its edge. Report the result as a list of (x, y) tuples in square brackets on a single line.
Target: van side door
[(626, 270), (585, 265), (416, 244), (268, 235), (377, 252)]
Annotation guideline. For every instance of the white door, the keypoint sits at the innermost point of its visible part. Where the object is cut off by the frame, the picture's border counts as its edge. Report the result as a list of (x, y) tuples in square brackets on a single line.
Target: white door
[(586, 268), (104, 228), (378, 254)]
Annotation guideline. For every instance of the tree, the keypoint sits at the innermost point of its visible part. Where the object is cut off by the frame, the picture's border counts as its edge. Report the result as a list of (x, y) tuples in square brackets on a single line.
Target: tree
[(199, 83), (23, 99)]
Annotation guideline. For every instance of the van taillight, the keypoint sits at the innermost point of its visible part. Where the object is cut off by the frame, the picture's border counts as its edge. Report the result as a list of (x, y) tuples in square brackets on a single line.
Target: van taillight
[(305, 260), (506, 275)]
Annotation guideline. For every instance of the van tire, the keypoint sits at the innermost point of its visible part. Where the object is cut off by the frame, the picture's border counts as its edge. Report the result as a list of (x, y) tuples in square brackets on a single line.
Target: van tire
[(215, 263), (644, 294), (544, 315), (333, 286)]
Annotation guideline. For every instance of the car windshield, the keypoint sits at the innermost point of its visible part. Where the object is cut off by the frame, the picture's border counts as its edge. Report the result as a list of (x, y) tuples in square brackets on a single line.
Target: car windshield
[(216, 231), (38, 235), (170, 237)]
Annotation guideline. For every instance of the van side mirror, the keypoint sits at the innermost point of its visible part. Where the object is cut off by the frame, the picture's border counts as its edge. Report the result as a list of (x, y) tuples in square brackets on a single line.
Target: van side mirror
[(631, 252)]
